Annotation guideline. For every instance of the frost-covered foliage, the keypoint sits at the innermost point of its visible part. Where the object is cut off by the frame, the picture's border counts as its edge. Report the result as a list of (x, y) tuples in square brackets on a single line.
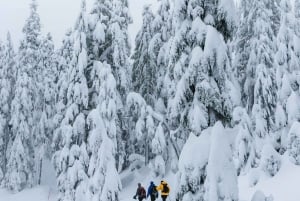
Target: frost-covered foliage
[(192, 171), (221, 182), (294, 143), (143, 73), (71, 158), (270, 160), (104, 183)]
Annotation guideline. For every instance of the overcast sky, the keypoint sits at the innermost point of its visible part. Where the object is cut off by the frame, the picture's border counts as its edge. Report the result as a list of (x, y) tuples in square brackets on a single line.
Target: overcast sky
[(56, 16)]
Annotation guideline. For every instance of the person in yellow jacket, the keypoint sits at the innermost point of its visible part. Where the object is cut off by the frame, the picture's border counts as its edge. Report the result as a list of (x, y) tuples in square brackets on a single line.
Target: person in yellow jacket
[(165, 190)]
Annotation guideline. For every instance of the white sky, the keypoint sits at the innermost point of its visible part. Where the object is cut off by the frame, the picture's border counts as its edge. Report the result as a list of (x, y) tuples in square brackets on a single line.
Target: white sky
[(56, 16)]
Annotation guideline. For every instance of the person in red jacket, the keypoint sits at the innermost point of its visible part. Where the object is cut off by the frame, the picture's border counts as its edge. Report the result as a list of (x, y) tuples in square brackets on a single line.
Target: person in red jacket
[(140, 193)]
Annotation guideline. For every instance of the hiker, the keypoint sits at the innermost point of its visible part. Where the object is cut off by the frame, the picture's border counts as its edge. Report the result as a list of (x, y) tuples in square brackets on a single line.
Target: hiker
[(165, 190), (140, 193), (152, 191)]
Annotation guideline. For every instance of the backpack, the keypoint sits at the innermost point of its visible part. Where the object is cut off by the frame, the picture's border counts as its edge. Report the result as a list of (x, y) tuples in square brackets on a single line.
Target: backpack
[(154, 192), (165, 188)]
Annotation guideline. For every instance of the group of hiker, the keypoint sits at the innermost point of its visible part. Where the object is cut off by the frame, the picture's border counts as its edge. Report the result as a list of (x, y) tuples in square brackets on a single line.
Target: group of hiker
[(153, 190)]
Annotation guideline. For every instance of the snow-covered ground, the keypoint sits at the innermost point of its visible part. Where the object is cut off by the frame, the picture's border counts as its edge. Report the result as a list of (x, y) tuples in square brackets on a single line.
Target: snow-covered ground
[(284, 186), (41, 193)]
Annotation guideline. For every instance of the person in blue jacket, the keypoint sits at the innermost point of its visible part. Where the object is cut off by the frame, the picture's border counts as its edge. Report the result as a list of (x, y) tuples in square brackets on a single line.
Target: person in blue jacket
[(152, 191)]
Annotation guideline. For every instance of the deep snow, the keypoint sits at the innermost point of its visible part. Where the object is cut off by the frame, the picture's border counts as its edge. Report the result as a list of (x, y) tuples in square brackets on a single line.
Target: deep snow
[(284, 186)]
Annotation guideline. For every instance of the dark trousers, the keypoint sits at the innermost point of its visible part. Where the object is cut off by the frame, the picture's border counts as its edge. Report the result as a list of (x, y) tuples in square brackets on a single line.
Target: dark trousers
[(164, 197), (141, 198), (152, 198)]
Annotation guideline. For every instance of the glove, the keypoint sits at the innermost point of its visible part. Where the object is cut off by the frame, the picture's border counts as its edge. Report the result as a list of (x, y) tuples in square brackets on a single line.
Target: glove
[(134, 197)]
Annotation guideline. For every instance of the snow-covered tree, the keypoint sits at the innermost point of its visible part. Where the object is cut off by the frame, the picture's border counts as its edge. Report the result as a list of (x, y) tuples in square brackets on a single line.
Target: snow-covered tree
[(64, 57), (159, 147), (192, 173), (221, 182), (242, 47), (46, 98), (158, 50), (7, 82), (104, 183), (144, 125), (260, 85), (3, 121), (287, 61), (199, 70), (108, 42), (143, 72), (71, 159), (20, 165), (287, 64)]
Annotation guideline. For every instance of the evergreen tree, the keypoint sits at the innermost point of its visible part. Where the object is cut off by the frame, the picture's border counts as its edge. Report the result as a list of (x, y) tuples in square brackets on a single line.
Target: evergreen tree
[(64, 57), (108, 42), (260, 81), (7, 84), (143, 123), (20, 165), (44, 127), (99, 43), (287, 65), (71, 160), (3, 122), (198, 76), (242, 49), (158, 52), (104, 181), (143, 72)]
